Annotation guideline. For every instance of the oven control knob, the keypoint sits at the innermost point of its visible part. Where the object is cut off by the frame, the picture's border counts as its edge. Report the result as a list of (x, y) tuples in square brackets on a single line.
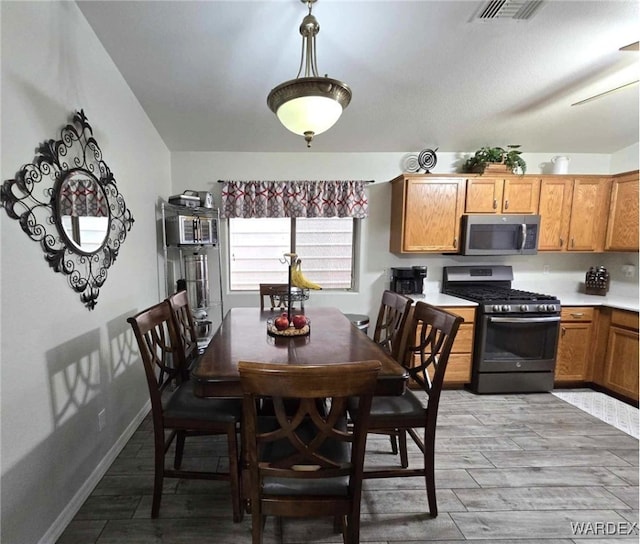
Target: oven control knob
[(524, 308), (506, 307), (496, 308)]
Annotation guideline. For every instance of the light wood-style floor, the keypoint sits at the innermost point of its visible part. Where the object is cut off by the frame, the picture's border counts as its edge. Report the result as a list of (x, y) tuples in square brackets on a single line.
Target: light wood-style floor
[(510, 469)]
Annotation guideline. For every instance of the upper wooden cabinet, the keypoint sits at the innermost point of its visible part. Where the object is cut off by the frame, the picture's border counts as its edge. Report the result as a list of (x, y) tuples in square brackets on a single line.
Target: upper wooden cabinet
[(425, 213), (555, 212), (573, 213), (503, 195), (622, 228)]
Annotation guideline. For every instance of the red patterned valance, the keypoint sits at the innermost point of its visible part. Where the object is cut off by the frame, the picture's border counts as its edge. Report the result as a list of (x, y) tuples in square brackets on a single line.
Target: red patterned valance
[(294, 199), (82, 197)]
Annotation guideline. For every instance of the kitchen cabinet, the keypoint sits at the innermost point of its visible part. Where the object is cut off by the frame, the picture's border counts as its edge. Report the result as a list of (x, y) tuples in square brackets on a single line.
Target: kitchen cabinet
[(503, 195), (573, 213), (574, 344), (555, 212), (459, 366), (622, 227), (458, 370), (620, 373), (425, 213)]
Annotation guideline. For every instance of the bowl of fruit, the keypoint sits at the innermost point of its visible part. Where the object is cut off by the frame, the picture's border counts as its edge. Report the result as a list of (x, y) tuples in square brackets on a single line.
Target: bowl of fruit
[(285, 325)]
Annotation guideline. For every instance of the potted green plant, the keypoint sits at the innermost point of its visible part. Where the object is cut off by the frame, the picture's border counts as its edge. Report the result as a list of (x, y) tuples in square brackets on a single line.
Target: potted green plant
[(510, 157)]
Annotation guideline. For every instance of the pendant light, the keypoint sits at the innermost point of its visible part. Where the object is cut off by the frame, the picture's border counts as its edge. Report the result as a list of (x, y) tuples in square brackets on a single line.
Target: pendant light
[(309, 105)]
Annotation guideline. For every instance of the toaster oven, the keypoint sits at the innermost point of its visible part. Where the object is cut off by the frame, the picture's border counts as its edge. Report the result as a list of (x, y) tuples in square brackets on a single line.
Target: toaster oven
[(190, 230)]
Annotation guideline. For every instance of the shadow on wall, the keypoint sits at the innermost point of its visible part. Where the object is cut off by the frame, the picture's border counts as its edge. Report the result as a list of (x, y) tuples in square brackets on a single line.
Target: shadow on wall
[(75, 375), (88, 375), (77, 371), (123, 348)]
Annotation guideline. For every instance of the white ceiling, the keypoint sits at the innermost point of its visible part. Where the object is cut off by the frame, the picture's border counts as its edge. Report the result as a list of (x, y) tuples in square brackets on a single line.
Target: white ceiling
[(423, 73)]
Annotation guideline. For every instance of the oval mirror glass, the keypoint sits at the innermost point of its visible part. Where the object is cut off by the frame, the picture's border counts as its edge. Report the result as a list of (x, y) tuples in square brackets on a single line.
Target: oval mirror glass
[(83, 211)]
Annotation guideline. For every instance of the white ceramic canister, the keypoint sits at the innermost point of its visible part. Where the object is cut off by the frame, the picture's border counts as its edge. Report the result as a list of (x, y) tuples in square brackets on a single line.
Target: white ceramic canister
[(560, 164)]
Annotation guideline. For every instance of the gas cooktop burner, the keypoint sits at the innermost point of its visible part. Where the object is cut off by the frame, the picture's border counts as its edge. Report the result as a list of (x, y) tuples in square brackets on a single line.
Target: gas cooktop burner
[(495, 294), (490, 287)]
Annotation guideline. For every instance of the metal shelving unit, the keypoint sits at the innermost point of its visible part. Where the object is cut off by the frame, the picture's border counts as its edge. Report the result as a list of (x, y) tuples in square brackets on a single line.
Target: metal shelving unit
[(174, 258)]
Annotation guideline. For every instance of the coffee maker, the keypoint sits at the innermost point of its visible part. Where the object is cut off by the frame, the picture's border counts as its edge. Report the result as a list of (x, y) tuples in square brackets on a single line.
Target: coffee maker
[(408, 281)]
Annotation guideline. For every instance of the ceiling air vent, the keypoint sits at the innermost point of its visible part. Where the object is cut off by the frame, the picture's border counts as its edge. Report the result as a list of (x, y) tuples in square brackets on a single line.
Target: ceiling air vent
[(508, 9)]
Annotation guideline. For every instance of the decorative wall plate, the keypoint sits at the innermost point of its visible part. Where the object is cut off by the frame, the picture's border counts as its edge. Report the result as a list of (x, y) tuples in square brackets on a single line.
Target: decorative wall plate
[(67, 200), (427, 159)]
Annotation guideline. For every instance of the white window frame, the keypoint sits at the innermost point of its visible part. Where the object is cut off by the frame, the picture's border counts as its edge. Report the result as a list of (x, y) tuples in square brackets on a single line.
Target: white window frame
[(292, 243)]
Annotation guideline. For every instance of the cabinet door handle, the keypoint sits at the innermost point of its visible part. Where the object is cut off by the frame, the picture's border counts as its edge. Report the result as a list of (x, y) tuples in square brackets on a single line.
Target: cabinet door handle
[(506, 204), (563, 331), (561, 242), (495, 203), (455, 242), (578, 314), (573, 243)]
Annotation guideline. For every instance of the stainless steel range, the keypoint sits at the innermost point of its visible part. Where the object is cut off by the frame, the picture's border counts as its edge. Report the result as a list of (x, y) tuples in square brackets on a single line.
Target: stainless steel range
[(516, 334)]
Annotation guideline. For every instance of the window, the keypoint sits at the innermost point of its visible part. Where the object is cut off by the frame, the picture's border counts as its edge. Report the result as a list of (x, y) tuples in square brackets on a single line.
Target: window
[(325, 247)]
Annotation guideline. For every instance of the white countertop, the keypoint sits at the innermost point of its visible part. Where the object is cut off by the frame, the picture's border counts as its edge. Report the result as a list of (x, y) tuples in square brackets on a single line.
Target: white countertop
[(440, 299), (611, 300), (568, 295)]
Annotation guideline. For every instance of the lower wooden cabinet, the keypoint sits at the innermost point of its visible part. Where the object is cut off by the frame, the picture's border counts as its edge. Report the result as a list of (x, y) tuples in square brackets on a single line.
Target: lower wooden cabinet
[(459, 365), (621, 359), (458, 370), (574, 345)]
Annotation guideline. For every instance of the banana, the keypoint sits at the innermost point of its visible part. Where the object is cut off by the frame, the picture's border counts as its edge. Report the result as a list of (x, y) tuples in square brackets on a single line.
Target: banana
[(299, 279)]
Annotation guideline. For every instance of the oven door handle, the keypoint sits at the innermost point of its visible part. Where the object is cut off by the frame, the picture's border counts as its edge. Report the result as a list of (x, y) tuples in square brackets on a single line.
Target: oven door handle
[(524, 319)]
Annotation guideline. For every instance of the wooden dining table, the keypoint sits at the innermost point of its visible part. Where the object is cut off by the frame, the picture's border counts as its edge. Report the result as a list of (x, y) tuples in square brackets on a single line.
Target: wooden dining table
[(242, 336)]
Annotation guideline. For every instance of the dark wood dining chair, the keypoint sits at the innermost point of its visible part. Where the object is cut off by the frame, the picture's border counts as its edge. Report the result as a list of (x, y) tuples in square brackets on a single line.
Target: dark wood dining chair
[(176, 409), (391, 334), (304, 461), (276, 294), (185, 328), (431, 335), (390, 328)]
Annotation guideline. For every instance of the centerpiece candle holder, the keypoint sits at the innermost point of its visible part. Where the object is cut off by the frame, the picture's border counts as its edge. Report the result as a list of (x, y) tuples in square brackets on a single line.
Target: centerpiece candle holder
[(287, 324)]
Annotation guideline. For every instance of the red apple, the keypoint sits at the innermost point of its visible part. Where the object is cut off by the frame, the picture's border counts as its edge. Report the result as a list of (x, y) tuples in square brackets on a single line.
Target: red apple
[(299, 321), (281, 323)]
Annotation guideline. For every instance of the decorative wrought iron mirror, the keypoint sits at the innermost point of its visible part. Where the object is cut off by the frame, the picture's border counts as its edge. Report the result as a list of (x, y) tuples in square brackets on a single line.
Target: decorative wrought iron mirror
[(67, 200)]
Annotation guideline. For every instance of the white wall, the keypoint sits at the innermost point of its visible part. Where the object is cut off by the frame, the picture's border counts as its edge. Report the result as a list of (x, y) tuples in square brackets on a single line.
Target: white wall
[(61, 363), (201, 171), (626, 159)]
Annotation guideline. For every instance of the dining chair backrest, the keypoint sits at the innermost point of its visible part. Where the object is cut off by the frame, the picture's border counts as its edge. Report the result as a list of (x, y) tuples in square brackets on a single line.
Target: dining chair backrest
[(159, 349), (277, 295), (175, 410), (304, 460), (390, 331), (185, 327), (431, 334)]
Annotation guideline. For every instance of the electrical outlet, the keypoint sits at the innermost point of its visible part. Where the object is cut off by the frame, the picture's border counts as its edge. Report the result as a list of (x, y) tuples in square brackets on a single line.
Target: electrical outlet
[(545, 269), (628, 270), (102, 419)]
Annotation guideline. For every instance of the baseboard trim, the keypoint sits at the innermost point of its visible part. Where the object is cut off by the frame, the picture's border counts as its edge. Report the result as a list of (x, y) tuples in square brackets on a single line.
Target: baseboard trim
[(60, 524)]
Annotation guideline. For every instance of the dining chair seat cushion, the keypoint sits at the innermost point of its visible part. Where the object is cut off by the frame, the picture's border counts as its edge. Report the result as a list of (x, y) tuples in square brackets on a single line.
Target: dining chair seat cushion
[(183, 404), (406, 405), (334, 449), (336, 487)]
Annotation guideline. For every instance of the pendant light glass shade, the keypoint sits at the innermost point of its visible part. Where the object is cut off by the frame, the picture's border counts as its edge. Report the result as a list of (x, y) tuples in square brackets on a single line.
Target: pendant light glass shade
[(311, 104)]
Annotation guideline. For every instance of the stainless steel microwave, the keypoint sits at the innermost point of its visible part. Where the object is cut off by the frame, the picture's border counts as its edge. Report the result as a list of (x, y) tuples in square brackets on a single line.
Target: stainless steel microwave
[(500, 234), (188, 230)]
